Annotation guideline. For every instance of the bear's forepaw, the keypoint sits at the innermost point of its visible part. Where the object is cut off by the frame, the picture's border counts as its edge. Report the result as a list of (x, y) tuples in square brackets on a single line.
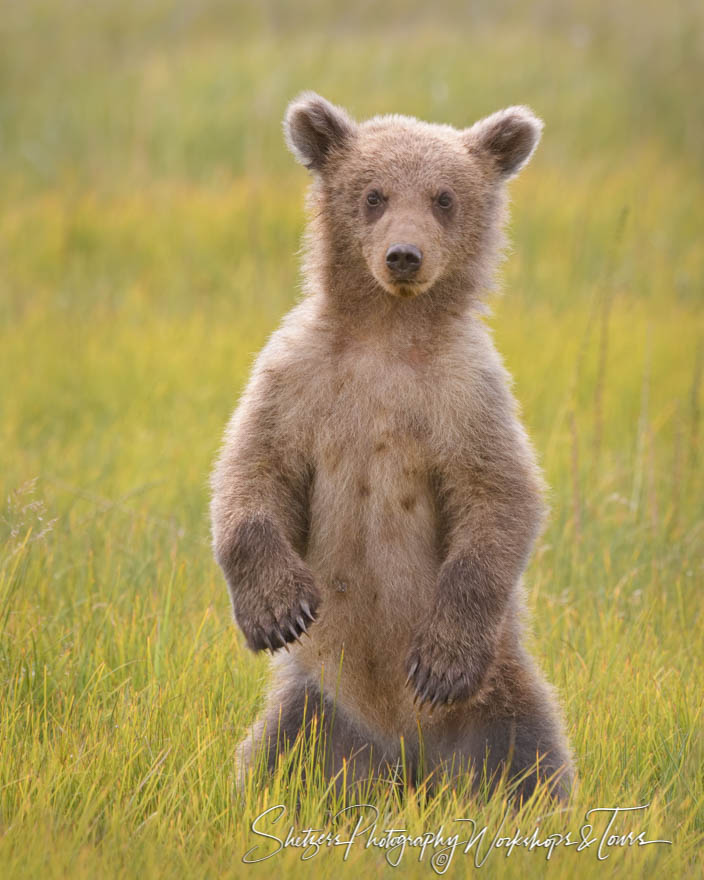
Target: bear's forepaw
[(443, 670), (279, 615)]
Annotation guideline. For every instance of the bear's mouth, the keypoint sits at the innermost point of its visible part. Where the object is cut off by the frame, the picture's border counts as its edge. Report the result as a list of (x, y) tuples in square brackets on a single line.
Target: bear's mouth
[(408, 288)]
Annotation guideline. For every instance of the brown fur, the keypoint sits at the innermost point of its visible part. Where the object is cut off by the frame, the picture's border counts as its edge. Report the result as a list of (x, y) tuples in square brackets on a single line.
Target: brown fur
[(375, 477)]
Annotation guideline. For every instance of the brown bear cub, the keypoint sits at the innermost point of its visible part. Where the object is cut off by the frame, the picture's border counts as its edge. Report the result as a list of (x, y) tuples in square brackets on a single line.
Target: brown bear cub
[(376, 490)]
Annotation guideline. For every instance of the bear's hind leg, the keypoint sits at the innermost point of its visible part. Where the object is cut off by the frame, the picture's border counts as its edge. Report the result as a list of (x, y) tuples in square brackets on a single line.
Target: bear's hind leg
[(528, 748), (340, 746), (292, 709)]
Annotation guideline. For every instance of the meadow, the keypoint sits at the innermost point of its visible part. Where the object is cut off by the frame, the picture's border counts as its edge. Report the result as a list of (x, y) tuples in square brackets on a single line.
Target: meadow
[(150, 223)]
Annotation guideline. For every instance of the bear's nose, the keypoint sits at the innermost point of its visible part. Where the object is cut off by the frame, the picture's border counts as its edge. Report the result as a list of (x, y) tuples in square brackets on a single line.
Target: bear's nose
[(404, 260)]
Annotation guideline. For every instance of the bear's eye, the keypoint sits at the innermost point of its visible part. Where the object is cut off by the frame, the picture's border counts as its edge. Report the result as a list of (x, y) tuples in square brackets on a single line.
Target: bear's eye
[(445, 200), (374, 198)]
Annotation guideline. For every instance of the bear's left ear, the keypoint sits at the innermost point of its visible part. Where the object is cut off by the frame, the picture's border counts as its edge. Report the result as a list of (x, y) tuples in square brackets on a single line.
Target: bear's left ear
[(509, 136), (314, 127)]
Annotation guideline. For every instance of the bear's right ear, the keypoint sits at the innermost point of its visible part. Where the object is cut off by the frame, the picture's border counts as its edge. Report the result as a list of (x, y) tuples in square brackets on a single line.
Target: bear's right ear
[(313, 128)]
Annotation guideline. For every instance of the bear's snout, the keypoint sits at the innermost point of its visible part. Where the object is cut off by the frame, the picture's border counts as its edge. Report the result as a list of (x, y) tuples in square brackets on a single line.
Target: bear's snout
[(403, 260)]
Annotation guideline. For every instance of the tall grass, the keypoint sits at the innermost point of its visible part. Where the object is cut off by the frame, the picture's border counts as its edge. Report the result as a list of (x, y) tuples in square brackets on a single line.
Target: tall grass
[(149, 223)]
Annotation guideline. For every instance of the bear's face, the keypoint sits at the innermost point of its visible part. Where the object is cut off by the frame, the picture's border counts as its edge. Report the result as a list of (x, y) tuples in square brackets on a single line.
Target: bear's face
[(418, 196), (414, 203)]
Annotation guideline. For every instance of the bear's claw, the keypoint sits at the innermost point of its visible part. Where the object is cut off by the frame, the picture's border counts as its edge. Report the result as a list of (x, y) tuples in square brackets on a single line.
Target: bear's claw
[(438, 688), (273, 632)]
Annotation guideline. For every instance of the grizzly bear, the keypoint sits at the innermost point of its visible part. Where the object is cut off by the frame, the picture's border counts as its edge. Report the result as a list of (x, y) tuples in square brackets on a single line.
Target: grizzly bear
[(376, 490)]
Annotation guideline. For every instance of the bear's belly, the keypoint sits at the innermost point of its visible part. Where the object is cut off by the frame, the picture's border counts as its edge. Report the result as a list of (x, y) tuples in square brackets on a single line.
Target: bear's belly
[(373, 549)]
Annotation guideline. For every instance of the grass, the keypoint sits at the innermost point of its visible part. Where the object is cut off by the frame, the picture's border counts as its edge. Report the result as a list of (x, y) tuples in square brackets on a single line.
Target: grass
[(149, 223)]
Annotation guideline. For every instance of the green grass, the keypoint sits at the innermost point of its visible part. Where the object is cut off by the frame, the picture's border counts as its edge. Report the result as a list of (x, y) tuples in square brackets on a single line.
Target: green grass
[(149, 223)]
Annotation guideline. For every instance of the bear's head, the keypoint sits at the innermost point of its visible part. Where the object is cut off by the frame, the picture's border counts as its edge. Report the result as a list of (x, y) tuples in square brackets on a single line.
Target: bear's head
[(402, 206)]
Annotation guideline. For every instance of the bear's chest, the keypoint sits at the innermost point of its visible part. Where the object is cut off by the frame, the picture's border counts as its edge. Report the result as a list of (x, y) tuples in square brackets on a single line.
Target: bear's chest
[(372, 492), (375, 415), (373, 532)]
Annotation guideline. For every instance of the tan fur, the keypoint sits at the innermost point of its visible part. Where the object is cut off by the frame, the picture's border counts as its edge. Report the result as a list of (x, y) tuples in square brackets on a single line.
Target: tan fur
[(376, 473)]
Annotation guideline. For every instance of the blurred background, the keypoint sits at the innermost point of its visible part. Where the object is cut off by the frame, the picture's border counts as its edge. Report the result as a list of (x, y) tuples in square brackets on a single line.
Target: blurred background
[(150, 222)]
